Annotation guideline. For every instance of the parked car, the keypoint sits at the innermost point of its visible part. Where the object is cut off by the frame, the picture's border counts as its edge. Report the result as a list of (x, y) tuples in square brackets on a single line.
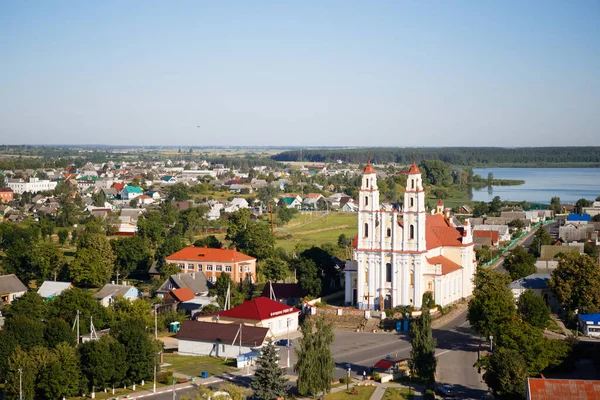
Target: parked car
[(446, 391), (284, 342)]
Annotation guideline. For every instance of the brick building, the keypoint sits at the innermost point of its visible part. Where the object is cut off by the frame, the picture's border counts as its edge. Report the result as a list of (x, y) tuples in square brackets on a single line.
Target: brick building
[(214, 262)]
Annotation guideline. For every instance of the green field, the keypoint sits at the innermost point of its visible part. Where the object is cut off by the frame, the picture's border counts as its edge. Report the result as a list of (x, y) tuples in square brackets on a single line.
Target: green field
[(316, 228), (195, 365)]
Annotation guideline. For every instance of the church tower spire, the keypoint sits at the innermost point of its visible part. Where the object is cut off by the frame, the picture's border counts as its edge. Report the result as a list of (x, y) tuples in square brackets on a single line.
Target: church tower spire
[(368, 205), (414, 211)]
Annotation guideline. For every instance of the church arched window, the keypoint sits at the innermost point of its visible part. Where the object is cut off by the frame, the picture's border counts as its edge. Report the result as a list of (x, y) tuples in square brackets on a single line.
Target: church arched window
[(412, 232), (388, 272), (367, 183), (389, 232), (412, 183), (366, 230), (412, 202), (366, 200)]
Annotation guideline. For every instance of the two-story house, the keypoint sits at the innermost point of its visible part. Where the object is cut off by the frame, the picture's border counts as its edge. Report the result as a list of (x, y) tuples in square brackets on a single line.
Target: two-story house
[(214, 262)]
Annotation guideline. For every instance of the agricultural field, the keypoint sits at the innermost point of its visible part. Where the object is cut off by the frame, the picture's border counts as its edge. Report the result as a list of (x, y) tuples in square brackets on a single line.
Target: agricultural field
[(316, 228)]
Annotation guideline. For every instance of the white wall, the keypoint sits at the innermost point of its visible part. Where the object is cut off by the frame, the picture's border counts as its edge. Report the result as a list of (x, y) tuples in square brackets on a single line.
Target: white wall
[(197, 348), (278, 325)]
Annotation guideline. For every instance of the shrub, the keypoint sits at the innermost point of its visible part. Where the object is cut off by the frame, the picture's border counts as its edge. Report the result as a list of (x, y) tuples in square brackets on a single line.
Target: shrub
[(165, 377)]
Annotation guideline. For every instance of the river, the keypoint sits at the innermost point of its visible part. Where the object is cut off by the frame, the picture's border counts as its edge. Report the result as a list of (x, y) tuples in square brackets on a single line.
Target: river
[(541, 184)]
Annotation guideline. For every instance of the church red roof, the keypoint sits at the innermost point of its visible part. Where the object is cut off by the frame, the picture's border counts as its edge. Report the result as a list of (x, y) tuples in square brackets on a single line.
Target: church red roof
[(447, 264), (259, 309), (414, 169), (440, 202), (369, 168), (439, 233)]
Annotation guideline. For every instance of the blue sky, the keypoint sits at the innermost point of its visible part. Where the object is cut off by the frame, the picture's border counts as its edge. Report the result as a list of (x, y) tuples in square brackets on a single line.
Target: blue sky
[(331, 73)]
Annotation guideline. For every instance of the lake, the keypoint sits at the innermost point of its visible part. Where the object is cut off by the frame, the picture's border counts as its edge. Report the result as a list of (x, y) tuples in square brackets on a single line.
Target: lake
[(541, 184)]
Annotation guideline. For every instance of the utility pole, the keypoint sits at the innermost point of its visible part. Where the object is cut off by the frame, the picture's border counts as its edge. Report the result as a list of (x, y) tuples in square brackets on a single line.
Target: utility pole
[(271, 212), (155, 323), (287, 345), (154, 387), (20, 384), (118, 277)]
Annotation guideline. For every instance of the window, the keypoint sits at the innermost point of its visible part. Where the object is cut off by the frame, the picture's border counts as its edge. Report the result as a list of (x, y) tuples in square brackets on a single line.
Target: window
[(227, 268), (199, 267), (366, 200), (412, 202), (209, 267), (280, 324), (430, 286), (209, 278), (241, 270), (412, 183), (219, 268), (247, 268), (366, 230), (190, 266), (388, 272), (389, 232), (412, 232), (182, 266), (367, 183)]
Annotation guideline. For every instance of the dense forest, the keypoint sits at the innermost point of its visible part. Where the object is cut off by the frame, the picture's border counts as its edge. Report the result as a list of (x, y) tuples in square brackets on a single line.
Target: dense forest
[(469, 156)]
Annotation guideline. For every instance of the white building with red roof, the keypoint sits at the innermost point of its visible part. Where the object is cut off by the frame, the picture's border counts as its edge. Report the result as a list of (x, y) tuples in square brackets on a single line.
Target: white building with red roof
[(214, 262), (401, 254), (259, 312)]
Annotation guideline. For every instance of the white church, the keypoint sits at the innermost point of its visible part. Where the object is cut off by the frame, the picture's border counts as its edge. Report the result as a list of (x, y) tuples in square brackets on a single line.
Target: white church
[(399, 255)]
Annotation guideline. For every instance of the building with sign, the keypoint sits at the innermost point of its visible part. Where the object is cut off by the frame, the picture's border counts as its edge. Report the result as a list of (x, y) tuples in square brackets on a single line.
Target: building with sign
[(402, 253), (260, 312)]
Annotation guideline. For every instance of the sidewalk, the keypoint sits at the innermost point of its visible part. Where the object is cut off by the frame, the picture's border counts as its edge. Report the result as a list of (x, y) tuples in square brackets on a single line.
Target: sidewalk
[(418, 390)]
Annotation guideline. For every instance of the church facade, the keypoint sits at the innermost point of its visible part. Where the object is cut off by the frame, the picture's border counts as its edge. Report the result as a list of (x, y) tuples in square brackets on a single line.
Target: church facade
[(401, 254)]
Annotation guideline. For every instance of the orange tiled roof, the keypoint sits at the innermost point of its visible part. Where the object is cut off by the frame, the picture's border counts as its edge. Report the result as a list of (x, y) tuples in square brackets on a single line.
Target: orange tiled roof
[(313, 195), (447, 264), (562, 389), (414, 169), (207, 254), (440, 202), (369, 168), (182, 294), (439, 233), (491, 234)]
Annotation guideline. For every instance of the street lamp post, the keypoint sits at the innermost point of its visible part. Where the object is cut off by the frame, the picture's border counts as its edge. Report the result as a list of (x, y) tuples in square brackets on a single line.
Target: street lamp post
[(288, 343), (491, 342), (20, 384), (154, 386), (348, 379)]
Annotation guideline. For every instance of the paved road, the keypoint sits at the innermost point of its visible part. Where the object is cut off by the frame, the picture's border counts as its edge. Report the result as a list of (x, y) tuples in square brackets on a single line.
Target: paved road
[(457, 351)]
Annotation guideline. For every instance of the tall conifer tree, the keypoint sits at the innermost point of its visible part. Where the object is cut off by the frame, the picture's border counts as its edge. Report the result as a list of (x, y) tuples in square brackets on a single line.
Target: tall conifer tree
[(422, 357), (269, 381)]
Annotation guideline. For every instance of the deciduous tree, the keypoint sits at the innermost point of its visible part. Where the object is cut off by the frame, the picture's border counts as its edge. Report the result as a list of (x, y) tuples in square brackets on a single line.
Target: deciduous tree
[(308, 276), (315, 365), (422, 360), (519, 263), (61, 378), (492, 301), (533, 309), (506, 374), (576, 282), (273, 269)]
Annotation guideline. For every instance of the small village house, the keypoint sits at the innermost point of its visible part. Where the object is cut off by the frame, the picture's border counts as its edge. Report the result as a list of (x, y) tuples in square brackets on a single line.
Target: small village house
[(11, 288)]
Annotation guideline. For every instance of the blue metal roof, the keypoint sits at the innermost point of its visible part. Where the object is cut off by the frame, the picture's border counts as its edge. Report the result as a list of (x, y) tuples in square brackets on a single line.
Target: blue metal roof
[(579, 217), (533, 281), (590, 319)]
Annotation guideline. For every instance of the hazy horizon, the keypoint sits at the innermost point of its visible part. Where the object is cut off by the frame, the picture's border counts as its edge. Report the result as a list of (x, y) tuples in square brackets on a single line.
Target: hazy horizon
[(278, 74)]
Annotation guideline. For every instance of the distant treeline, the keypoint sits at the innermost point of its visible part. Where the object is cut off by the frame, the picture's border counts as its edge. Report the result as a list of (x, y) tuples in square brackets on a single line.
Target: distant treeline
[(471, 156)]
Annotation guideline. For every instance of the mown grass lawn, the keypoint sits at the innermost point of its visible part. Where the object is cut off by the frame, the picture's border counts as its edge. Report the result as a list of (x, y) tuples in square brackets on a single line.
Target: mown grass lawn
[(314, 229), (364, 393), (398, 394), (195, 365)]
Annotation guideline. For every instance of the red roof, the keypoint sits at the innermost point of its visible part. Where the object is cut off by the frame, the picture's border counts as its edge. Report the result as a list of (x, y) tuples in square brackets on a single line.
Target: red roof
[(440, 202), (559, 389), (383, 364), (447, 264), (369, 168), (439, 233), (183, 294), (414, 169), (314, 195), (118, 186), (207, 254), (6, 189), (355, 241), (493, 235), (259, 309)]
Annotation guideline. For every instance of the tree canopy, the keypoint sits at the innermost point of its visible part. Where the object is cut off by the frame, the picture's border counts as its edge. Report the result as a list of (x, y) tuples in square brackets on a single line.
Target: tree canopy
[(576, 282)]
